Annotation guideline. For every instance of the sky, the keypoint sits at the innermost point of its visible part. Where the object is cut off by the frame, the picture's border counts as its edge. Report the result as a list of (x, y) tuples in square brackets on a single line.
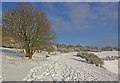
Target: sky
[(84, 23)]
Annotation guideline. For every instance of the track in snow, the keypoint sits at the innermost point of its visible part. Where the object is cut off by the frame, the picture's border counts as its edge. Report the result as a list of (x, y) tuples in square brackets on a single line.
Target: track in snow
[(69, 68)]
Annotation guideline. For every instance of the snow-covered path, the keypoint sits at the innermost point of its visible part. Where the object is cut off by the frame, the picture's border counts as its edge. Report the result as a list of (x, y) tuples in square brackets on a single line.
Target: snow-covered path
[(69, 67)]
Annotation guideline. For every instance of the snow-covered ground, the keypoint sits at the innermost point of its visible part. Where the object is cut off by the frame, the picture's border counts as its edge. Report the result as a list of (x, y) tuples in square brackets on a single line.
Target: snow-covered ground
[(106, 53), (15, 66), (109, 65), (62, 67)]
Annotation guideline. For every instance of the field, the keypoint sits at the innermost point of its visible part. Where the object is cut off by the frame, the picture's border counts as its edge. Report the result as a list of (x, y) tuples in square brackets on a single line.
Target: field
[(61, 67)]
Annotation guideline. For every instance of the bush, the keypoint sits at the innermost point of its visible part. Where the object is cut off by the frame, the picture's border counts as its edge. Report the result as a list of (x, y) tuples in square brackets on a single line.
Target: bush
[(82, 54), (47, 56), (110, 58), (91, 58), (107, 48), (116, 57)]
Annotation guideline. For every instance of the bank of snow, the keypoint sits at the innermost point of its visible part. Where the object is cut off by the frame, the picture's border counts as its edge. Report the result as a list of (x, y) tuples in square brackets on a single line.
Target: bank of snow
[(62, 67)]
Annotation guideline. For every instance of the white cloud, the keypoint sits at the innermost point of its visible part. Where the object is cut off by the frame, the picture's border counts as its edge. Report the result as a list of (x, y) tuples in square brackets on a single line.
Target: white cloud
[(59, 23), (78, 12), (108, 10), (82, 16)]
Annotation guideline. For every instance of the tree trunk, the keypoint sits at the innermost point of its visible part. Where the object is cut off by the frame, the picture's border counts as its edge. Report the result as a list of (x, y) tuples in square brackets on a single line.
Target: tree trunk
[(29, 53), (29, 50)]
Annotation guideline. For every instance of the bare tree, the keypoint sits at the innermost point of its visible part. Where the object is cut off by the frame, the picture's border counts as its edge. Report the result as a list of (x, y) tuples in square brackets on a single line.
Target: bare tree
[(28, 25)]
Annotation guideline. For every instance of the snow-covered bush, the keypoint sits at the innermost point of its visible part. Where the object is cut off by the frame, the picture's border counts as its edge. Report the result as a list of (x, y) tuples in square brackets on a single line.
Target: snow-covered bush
[(91, 58), (82, 54), (116, 57), (107, 48), (110, 58), (47, 56)]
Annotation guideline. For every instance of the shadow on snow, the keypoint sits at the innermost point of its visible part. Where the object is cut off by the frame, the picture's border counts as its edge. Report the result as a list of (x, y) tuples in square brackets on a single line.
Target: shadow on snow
[(12, 52)]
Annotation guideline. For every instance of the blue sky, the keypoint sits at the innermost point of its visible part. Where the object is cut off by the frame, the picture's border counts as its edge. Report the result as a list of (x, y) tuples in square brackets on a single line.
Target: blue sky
[(84, 23)]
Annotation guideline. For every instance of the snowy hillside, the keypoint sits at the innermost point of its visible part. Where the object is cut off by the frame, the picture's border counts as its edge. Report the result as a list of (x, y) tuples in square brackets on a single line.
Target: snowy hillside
[(62, 67)]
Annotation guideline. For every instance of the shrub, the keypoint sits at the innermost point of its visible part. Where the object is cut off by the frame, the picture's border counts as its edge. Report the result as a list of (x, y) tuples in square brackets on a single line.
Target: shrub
[(47, 56), (82, 54), (116, 57), (107, 48), (91, 58), (110, 58)]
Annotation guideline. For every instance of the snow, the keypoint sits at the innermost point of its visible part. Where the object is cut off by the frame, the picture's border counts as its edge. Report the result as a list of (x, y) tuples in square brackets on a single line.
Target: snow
[(111, 65), (62, 67), (106, 53), (69, 68)]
